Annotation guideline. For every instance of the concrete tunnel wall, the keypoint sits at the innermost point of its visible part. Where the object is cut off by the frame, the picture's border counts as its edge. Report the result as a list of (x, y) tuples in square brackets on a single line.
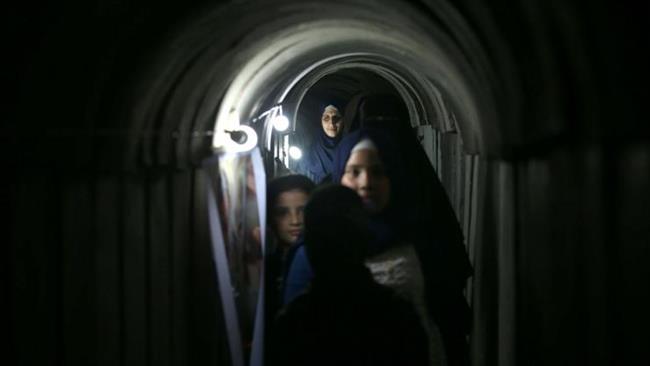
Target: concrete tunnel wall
[(107, 256)]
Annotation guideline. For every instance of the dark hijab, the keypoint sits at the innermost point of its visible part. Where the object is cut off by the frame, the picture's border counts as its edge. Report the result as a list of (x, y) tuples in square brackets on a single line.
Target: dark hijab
[(424, 212), (321, 154), (387, 224), (419, 213)]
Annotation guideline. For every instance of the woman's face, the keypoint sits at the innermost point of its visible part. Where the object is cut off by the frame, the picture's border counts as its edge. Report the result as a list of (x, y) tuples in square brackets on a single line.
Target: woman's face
[(288, 215), (365, 174), (332, 122)]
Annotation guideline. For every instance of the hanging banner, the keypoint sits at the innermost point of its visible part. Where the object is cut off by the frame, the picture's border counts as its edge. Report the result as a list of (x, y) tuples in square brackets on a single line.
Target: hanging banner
[(237, 213)]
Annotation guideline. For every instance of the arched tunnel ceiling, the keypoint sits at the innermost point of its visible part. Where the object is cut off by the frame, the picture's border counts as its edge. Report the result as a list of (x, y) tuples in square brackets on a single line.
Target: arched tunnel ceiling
[(198, 72), (142, 75)]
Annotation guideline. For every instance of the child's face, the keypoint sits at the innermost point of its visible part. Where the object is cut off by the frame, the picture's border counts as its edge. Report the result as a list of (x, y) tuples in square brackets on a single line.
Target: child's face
[(288, 215)]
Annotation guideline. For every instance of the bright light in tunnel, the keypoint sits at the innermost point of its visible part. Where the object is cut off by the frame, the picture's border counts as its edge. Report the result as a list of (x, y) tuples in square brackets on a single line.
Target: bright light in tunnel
[(240, 139), (280, 122), (295, 153)]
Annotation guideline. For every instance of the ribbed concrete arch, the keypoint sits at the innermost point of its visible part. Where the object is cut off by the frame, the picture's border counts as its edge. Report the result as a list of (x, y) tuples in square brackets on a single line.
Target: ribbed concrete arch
[(214, 72), (109, 266)]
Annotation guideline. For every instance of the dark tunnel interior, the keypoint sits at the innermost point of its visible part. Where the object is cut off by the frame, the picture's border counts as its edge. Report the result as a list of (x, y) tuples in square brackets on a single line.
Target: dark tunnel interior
[(531, 115)]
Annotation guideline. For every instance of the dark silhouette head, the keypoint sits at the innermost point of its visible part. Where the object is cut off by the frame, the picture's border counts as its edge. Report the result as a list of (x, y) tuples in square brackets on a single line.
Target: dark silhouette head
[(336, 231)]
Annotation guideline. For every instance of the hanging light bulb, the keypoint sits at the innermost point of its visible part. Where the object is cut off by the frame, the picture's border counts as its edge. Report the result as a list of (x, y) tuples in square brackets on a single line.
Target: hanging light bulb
[(295, 153), (280, 122)]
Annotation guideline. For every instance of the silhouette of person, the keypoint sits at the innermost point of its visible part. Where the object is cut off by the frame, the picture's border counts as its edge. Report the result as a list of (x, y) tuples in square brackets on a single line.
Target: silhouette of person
[(345, 317)]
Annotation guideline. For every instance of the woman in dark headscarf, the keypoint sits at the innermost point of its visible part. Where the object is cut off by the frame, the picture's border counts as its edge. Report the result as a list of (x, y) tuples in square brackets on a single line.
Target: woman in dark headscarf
[(432, 225), (412, 257), (317, 164)]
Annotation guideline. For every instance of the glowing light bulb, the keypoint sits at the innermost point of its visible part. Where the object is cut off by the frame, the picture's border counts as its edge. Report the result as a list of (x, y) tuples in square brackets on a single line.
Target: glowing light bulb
[(280, 122), (295, 153)]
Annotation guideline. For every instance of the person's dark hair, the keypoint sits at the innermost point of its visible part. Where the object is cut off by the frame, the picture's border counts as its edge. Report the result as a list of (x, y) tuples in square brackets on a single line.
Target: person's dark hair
[(286, 183), (336, 230)]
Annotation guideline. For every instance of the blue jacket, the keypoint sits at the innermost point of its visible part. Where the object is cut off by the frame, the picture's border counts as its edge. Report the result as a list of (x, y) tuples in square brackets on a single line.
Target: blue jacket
[(299, 275)]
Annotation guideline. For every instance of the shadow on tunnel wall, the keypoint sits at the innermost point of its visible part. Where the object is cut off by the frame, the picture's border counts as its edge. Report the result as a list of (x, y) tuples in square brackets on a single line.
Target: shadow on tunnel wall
[(107, 258)]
